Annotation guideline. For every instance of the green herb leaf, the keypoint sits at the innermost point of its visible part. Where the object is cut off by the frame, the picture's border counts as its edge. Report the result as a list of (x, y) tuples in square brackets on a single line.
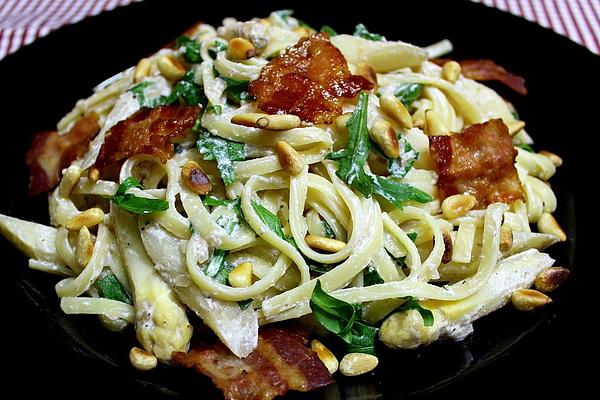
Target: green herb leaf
[(343, 319), (269, 219), (190, 48), (516, 115), (328, 231), (364, 33), (245, 303), (407, 93), (412, 235), (218, 268), (526, 147), (371, 276), (237, 90), (397, 192), (223, 151), (399, 167), (135, 204), (231, 204), (329, 30), (319, 268), (412, 304), (111, 288), (217, 109), (284, 14), (138, 91), (187, 92)]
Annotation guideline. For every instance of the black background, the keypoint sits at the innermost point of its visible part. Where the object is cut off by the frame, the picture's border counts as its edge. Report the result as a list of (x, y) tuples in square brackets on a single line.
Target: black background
[(42, 81)]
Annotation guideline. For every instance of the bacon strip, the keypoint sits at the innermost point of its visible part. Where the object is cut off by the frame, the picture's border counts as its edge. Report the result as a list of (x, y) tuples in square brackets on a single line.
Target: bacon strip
[(282, 361), (308, 80), (479, 161), (148, 131), (50, 152)]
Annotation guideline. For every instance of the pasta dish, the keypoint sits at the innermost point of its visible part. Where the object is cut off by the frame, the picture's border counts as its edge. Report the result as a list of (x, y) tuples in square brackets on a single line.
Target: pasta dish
[(288, 187)]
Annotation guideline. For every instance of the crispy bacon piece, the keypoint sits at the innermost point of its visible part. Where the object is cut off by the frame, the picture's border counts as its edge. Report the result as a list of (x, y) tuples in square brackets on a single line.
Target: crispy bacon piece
[(50, 152), (148, 131), (282, 361), (479, 161), (308, 80)]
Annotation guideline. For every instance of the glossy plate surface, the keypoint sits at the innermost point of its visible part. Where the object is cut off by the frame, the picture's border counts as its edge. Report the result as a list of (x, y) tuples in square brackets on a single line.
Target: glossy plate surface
[(74, 357)]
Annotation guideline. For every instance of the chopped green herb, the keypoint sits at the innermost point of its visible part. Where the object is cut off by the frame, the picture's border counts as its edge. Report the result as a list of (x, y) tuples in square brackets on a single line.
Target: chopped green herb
[(190, 48), (398, 193), (412, 235), (217, 109), (399, 167), (138, 91), (364, 33), (223, 151), (343, 319), (408, 93), (412, 304), (329, 30), (371, 276), (245, 303), (328, 231), (186, 91), (516, 115), (231, 204), (237, 90), (526, 147), (111, 288), (135, 204), (272, 221), (218, 268)]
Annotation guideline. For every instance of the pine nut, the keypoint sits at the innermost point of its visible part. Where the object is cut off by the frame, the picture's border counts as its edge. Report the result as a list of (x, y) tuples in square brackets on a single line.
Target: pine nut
[(240, 49), (394, 108), (506, 239), (448, 247), (516, 127), (451, 71), (88, 218), (550, 279), (291, 162), (354, 364), (142, 360), (529, 300), (170, 67), (278, 122), (324, 243), (85, 247), (435, 126), (458, 205), (195, 178), (241, 276), (547, 224), (142, 70), (325, 355), (556, 160), (367, 72), (385, 136), (69, 180), (94, 174)]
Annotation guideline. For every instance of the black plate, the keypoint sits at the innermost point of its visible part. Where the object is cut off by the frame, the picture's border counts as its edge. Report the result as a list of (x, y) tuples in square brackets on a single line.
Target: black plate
[(532, 353)]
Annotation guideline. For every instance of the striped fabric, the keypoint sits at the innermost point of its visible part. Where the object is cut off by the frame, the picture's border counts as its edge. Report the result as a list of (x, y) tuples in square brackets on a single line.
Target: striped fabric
[(23, 21)]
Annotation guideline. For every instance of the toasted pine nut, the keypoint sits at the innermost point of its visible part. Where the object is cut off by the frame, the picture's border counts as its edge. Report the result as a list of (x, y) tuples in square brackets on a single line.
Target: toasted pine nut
[(278, 122), (385, 136), (142, 360), (556, 160), (170, 67), (458, 205), (85, 247), (516, 127), (241, 276), (528, 299), (94, 174), (548, 224), (448, 247), (367, 72), (302, 31), (506, 239), (325, 355), (291, 162), (341, 121), (88, 218), (550, 279), (240, 49), (354, 364), (69, 180), (195, 178), (324, 243), (142, 70), (451, 71), (392, 106), (435, 126)]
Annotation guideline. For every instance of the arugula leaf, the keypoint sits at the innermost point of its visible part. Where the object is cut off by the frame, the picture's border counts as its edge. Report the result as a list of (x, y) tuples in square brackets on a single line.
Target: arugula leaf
[(329, 30), (232, 204), (219, 46), (397, 192), (135, 204), (412, 304), (526, 147), (407, 93), (245, 303), (272, 221), (412, 235), (138, 91), (320, 268), (217, 108), (363, 32), (218, 268), (371, 276), (343, 319), (284, 14), (186, 91), (328, 231), (111, 288), (190, 48), (516, 115), (399, 167), (223, 151), (237, 90)]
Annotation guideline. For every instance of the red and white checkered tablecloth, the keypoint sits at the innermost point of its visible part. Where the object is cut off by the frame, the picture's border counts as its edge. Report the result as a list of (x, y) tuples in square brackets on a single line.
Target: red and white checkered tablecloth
[(23, 21)]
